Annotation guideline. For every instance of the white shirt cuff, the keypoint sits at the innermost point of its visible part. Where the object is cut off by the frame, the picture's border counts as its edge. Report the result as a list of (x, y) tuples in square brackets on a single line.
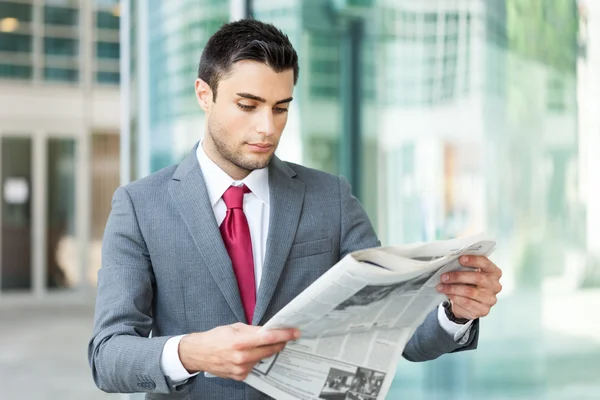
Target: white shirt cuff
[(460, 332), (170, 362)]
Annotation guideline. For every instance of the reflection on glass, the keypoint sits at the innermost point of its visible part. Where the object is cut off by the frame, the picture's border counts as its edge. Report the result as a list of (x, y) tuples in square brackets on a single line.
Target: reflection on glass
[(111, 78), (15, 42), (108, 50), (61, 74), (15, 214), (21, 12), (60, 46), (60, 16), (169, 100), (16, 71), (473, 127), (471, 123), (61, 240), (107, 20)]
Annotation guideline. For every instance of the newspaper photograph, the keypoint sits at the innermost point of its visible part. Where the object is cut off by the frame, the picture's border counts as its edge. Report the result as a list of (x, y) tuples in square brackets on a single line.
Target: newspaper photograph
[(356, 319)]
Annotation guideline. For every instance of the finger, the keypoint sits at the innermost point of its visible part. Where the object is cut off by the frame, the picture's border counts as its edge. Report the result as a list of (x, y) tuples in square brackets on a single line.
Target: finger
[(241, 371), (482, 263), (480, 295), (463, 307), (473, 278), (241, 362), (238, 372), (264, 338), (231, 370), (466, 277), (253, 356)]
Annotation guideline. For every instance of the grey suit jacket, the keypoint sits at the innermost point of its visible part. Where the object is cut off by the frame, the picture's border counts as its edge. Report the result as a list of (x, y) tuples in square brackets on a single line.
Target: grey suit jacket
[(165, 270)]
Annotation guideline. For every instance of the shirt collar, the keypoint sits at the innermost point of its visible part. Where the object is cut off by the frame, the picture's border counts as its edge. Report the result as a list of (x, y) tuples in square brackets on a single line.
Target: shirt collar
[(217, 181)]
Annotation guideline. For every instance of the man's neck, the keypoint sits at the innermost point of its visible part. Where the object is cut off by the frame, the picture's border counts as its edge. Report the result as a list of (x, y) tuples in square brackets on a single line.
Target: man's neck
[(236, 173)]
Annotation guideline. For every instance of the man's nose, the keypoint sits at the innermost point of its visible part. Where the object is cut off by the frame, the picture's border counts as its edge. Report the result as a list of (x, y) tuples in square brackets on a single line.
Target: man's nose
[(266, 123)]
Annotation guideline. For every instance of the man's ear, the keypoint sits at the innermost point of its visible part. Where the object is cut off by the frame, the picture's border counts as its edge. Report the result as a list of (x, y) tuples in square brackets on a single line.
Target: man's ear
[(204, 94)]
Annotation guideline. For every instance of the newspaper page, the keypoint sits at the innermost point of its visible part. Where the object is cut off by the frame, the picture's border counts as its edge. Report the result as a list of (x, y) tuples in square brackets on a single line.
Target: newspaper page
[(356, 320)]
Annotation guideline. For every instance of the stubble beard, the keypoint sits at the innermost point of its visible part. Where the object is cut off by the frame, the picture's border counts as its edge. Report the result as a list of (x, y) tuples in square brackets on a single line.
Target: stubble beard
[(231, 154)]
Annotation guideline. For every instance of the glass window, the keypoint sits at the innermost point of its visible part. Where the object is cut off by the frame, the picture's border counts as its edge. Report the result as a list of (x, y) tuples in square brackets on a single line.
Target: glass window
[(431, 18), (555, 99), (507, 161), (318, 66), (107, 50), (358, 3), (61, 46), (61, 74), (106, 3), (63, 3), (108, 77), (15, 42), (16, 71), (107, 20), (60, 16), (21, 12)]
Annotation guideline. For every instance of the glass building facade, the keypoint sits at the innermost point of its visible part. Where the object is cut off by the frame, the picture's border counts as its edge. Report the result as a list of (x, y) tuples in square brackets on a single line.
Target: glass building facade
[(448, 118), (59, 142), (41, 40)]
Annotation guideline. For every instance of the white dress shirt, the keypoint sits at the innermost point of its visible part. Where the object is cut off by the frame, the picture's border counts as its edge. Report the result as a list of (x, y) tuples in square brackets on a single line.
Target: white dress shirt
[(256, 208)]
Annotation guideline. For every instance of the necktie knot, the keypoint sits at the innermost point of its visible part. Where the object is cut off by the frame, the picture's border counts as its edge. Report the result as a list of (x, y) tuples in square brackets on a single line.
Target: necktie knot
[(234, 196)]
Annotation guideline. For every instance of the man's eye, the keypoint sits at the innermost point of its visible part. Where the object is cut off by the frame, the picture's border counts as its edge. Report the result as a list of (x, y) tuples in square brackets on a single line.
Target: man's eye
[(280, 110), (245, 107)]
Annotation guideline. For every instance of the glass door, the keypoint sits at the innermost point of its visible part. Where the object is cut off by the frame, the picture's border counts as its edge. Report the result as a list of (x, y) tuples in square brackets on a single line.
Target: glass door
[(40, 243), (16, 213), (62, 254)]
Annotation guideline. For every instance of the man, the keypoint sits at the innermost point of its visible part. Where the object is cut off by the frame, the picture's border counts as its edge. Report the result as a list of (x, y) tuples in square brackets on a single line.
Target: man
[(200, 254)]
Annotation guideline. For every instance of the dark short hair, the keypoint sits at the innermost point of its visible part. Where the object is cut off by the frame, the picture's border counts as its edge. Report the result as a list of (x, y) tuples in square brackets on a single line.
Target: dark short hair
[(246, 39)]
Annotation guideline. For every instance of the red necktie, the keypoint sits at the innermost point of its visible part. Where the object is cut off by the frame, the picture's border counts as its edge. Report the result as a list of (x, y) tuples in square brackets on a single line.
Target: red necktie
[(236, 236)]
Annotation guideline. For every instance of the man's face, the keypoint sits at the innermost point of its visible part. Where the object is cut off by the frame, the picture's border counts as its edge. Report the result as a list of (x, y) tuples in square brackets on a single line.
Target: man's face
[(245, 123)]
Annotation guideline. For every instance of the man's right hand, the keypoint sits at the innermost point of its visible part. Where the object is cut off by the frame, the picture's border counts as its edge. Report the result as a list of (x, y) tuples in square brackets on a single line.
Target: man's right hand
[(231, 351)]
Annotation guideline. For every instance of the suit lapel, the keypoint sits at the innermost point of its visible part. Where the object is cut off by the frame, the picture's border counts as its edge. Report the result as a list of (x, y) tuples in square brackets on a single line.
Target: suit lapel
[(286, 199), (190, 195)]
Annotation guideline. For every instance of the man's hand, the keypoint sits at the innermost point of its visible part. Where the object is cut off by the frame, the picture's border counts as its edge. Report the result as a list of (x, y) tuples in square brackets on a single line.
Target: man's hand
[(472, 293), (231, 351)]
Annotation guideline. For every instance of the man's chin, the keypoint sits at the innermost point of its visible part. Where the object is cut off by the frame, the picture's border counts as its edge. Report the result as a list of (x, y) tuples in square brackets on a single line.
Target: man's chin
[(253, 163)]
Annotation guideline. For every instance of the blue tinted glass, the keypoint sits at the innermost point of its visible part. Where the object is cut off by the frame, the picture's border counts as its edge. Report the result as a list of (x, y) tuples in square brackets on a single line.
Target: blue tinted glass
[(60, 16), (22, 12), (15, 42), (15, 71), (61, 74), (456, 141), (107, 50), (106, 3), (60, 46), (106, 20), (108, 77)]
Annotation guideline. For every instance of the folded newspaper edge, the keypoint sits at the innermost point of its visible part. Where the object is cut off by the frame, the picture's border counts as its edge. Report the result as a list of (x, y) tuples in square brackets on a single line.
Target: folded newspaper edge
[(357, 318)]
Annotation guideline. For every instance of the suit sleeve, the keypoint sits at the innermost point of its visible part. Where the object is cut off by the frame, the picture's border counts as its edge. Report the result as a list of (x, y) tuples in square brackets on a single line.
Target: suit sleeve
[(429, 340), (122, 356)]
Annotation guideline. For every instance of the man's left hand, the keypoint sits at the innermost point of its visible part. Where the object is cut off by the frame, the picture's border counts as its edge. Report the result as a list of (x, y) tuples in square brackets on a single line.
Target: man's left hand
[(472, 293)]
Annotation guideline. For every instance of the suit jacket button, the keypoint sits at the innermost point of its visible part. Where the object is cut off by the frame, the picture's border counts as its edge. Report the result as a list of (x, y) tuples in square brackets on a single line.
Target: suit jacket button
[(149, 385)]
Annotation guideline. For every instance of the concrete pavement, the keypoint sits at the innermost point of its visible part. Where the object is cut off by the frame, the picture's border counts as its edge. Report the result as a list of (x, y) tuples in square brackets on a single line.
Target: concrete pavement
[(43, 348)]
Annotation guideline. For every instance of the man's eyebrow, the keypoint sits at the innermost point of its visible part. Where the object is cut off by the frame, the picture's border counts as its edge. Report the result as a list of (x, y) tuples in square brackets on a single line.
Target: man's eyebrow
[(257, 98), (285, 100)]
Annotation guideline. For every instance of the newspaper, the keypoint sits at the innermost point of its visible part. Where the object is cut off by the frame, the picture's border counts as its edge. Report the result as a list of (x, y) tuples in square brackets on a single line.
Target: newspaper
[(356, 320)]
